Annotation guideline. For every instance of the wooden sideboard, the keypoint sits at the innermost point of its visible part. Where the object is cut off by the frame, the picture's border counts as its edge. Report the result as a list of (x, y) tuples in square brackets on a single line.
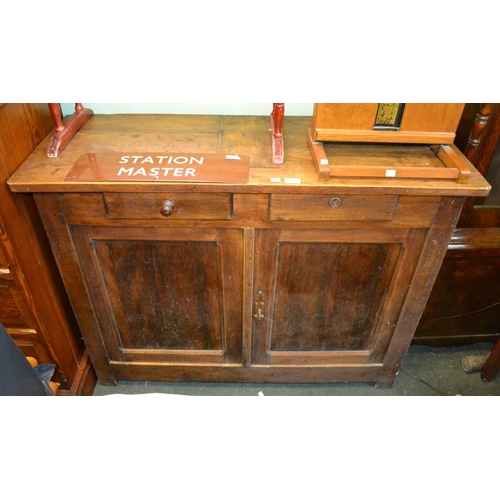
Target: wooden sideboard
[(280, 279), (34, 307)]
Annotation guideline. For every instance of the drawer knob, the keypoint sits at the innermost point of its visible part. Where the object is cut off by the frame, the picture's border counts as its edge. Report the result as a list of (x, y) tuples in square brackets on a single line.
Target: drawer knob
[(167, 208), (335, 202)]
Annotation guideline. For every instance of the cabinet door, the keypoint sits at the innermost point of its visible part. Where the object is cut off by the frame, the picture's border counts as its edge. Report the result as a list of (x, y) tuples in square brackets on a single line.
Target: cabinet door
[(330, 297), (171, 296)]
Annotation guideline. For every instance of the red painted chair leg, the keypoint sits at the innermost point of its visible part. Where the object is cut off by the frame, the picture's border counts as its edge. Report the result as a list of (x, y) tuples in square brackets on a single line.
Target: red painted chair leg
[(64, 132), (277, 132)]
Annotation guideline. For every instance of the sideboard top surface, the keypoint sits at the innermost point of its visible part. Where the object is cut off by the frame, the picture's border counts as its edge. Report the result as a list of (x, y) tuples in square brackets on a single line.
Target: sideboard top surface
[(241, 135)]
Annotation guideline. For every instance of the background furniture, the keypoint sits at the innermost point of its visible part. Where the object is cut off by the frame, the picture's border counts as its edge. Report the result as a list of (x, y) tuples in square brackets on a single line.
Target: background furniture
[(464, 306), (34, 307), (281, 279)]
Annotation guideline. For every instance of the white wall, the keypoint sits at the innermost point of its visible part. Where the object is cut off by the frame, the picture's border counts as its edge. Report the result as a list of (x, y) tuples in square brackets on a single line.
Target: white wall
[(291, 109)]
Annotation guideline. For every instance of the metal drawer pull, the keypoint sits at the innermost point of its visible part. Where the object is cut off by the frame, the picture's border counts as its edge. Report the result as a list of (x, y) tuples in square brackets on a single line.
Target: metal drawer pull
[(167, 207), (260, 302), (335, 202)]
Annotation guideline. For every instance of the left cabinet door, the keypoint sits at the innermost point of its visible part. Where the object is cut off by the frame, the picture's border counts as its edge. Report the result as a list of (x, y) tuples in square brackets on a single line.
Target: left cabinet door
[(163, 298)]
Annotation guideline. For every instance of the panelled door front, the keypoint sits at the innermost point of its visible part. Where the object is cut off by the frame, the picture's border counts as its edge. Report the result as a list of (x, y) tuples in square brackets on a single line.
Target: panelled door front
[(165, 295), (329, 297)]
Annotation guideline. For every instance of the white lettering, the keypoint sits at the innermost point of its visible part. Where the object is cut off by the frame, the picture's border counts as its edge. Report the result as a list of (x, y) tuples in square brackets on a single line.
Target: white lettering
[(127, 171), (153, 170), (180, 160)]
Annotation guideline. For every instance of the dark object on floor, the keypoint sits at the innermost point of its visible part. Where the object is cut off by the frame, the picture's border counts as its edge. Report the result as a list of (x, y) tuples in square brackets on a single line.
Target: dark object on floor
[(17, 376), (488, 365), (472, 364)]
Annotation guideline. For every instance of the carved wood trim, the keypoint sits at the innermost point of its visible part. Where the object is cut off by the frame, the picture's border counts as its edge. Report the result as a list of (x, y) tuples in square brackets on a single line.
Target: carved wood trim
[(480, 124)]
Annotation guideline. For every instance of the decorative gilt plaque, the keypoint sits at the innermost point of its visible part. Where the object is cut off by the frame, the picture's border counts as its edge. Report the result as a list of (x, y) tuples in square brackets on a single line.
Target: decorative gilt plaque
[(161, 167), (388, 116)]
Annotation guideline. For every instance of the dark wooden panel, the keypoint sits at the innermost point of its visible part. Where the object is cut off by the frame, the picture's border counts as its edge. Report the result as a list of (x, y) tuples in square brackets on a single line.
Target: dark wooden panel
[(465, 302), (165, 295), (320, 287)]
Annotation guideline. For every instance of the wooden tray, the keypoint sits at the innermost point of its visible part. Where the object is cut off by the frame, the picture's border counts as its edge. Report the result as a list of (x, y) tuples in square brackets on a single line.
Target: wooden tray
[(388, 161)]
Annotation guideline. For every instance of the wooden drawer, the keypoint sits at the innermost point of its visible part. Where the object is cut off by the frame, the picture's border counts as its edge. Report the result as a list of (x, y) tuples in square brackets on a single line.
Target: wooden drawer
[(180, 206), (332, 207)]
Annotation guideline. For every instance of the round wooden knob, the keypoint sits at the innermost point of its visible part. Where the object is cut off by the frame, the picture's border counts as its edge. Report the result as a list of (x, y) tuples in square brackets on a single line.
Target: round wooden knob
[(335, 202), (167, 208)]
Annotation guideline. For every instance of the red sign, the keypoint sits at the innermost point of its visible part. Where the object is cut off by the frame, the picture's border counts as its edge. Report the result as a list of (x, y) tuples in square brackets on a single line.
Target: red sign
[(161, 167)]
